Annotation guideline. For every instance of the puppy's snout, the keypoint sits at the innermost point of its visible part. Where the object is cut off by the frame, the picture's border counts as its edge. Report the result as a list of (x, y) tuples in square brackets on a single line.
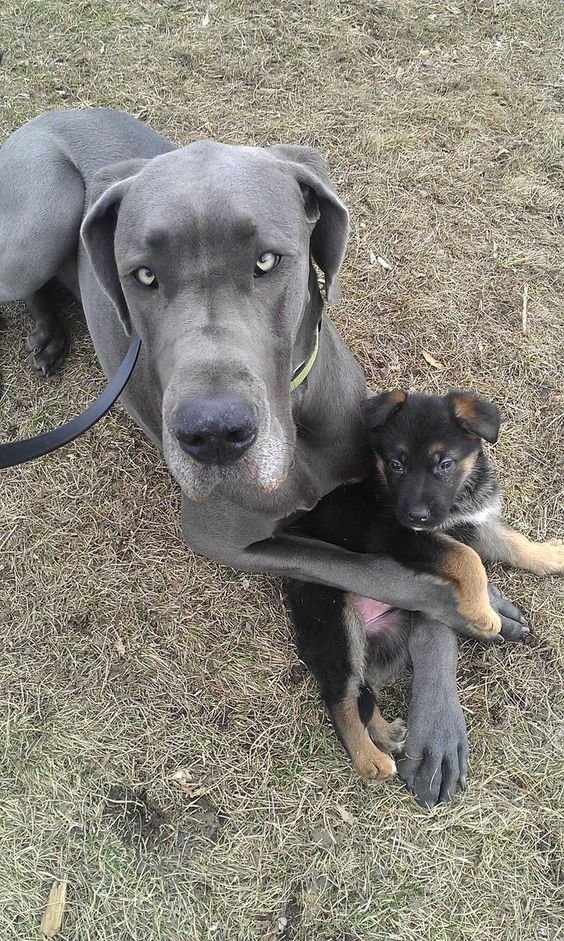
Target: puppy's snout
[(418, 514), (216, 429)]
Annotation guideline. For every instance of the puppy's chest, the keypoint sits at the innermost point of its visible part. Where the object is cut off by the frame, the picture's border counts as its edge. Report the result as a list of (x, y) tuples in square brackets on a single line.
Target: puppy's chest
[(465, 522)]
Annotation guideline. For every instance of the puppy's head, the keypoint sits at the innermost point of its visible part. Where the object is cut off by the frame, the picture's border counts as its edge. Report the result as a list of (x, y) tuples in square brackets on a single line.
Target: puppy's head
[(426, 449)]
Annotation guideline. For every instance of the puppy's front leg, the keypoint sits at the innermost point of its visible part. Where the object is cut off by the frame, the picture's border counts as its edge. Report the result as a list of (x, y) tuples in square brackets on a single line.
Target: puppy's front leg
[(498, 542), (463, 568)]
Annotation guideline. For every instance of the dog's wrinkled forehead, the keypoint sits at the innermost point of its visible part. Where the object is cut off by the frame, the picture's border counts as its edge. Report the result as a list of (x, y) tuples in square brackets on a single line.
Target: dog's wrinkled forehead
[(210, 194)]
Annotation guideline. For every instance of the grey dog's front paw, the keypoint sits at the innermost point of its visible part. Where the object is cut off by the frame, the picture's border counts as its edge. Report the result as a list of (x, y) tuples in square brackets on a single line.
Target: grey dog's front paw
[(513, 623), (435, 757)]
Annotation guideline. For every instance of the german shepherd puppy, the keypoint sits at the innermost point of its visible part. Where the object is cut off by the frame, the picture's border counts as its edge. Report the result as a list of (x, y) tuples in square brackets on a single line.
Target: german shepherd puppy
[(433, 504)]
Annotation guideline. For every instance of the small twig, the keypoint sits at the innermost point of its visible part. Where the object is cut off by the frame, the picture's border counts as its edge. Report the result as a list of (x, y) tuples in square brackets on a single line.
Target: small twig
[(525, 310), (52, 920)]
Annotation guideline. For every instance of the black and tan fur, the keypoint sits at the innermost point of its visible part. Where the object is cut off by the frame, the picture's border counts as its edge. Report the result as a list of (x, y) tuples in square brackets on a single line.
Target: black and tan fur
[(434, 505)]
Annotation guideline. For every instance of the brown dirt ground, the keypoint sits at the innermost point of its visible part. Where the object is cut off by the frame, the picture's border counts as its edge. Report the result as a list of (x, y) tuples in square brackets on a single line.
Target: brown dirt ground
[(127, 661)]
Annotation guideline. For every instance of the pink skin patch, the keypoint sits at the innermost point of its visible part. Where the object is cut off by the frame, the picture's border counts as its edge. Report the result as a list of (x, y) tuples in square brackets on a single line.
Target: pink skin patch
[(377, 616), (254, 472)]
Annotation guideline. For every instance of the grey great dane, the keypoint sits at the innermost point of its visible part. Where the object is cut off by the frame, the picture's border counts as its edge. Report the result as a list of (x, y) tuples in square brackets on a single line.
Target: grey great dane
[(206, 253)]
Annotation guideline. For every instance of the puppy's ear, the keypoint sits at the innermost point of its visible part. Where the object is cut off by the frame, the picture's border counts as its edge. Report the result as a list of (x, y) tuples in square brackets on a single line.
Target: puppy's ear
[(475, 415), (323, 210), (377, 409), (109, 186)]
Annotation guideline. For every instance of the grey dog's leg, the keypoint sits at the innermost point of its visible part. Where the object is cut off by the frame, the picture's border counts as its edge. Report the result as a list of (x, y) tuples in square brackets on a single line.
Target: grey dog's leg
[(48, 341), (374, 576), (41, 206), (436, 749)]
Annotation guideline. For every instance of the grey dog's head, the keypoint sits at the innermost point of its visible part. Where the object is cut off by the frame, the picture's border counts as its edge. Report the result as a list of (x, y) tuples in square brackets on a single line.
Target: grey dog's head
[(205, 252)]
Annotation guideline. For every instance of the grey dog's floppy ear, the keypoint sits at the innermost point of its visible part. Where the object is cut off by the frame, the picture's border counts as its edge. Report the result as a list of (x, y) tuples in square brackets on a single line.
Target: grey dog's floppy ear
[(377, 409), (475, 415), (323, 208), (98, 229)]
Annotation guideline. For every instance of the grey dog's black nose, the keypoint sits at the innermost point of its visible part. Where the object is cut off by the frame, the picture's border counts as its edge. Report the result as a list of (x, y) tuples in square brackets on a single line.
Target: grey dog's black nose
[(216, 429), (418, 514)]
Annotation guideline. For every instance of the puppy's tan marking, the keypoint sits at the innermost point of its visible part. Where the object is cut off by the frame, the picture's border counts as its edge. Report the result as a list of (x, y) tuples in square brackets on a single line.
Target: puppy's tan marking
[(468, 464), (368, 761), (390, 735), (463, 568), (397, 396), (438, 447), (380, 466), (540, 558), (464, 407)]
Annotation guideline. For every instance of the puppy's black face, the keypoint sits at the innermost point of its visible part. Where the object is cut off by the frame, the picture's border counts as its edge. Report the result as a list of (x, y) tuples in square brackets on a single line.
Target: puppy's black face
[(426, 449)]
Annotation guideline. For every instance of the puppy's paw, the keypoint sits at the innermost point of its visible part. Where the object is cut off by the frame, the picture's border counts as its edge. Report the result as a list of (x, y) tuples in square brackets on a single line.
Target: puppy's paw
[(488, 623), (480, 614), (372, 764), (548, 558), (390, 736)]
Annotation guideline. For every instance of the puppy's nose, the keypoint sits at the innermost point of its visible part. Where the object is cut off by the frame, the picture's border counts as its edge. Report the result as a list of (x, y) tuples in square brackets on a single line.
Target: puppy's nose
[(419, 514), (216, 429)]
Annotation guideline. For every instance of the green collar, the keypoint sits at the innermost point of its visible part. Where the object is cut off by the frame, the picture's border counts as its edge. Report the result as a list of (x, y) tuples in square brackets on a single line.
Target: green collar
[(302, 371)]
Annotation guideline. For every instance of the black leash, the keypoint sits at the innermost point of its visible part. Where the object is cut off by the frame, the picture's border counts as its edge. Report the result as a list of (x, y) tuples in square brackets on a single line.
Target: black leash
[(18, 452)]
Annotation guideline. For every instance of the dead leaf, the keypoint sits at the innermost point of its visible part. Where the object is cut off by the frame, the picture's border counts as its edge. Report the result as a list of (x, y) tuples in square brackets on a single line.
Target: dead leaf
[(384, 263), (429, 358), (345, 815), (186, 783), (52, 920)]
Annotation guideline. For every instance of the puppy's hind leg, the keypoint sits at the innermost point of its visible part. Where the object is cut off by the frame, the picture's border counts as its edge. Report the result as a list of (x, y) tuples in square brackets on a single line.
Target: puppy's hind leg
[(498, 542), (368, 760), (48, 342), (387, 657), (366, 735), (333, 644), (390, 736)]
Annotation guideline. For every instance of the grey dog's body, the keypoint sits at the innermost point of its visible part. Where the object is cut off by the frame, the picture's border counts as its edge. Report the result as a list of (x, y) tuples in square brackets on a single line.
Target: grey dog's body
[(91, 198)]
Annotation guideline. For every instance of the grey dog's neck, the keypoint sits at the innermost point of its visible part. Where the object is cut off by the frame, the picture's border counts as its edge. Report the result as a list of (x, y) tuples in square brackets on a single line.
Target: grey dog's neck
[(326, 407), (312, 314)]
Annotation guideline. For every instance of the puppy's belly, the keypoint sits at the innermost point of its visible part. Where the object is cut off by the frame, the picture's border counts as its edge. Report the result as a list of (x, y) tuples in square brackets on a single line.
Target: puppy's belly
[(376, 616)]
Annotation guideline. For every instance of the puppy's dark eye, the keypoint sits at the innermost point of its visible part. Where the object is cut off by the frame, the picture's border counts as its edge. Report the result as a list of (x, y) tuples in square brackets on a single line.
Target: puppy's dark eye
[(447, 464), (265, 263), (145, 277), (396, 466)]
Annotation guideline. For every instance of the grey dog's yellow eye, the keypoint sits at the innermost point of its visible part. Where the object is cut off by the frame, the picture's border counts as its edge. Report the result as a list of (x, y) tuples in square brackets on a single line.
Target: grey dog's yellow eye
[(145, 277), (266, 262)]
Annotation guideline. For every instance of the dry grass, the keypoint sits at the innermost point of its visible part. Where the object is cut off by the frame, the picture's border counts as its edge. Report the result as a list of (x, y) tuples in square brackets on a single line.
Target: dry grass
[(125, 659)]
